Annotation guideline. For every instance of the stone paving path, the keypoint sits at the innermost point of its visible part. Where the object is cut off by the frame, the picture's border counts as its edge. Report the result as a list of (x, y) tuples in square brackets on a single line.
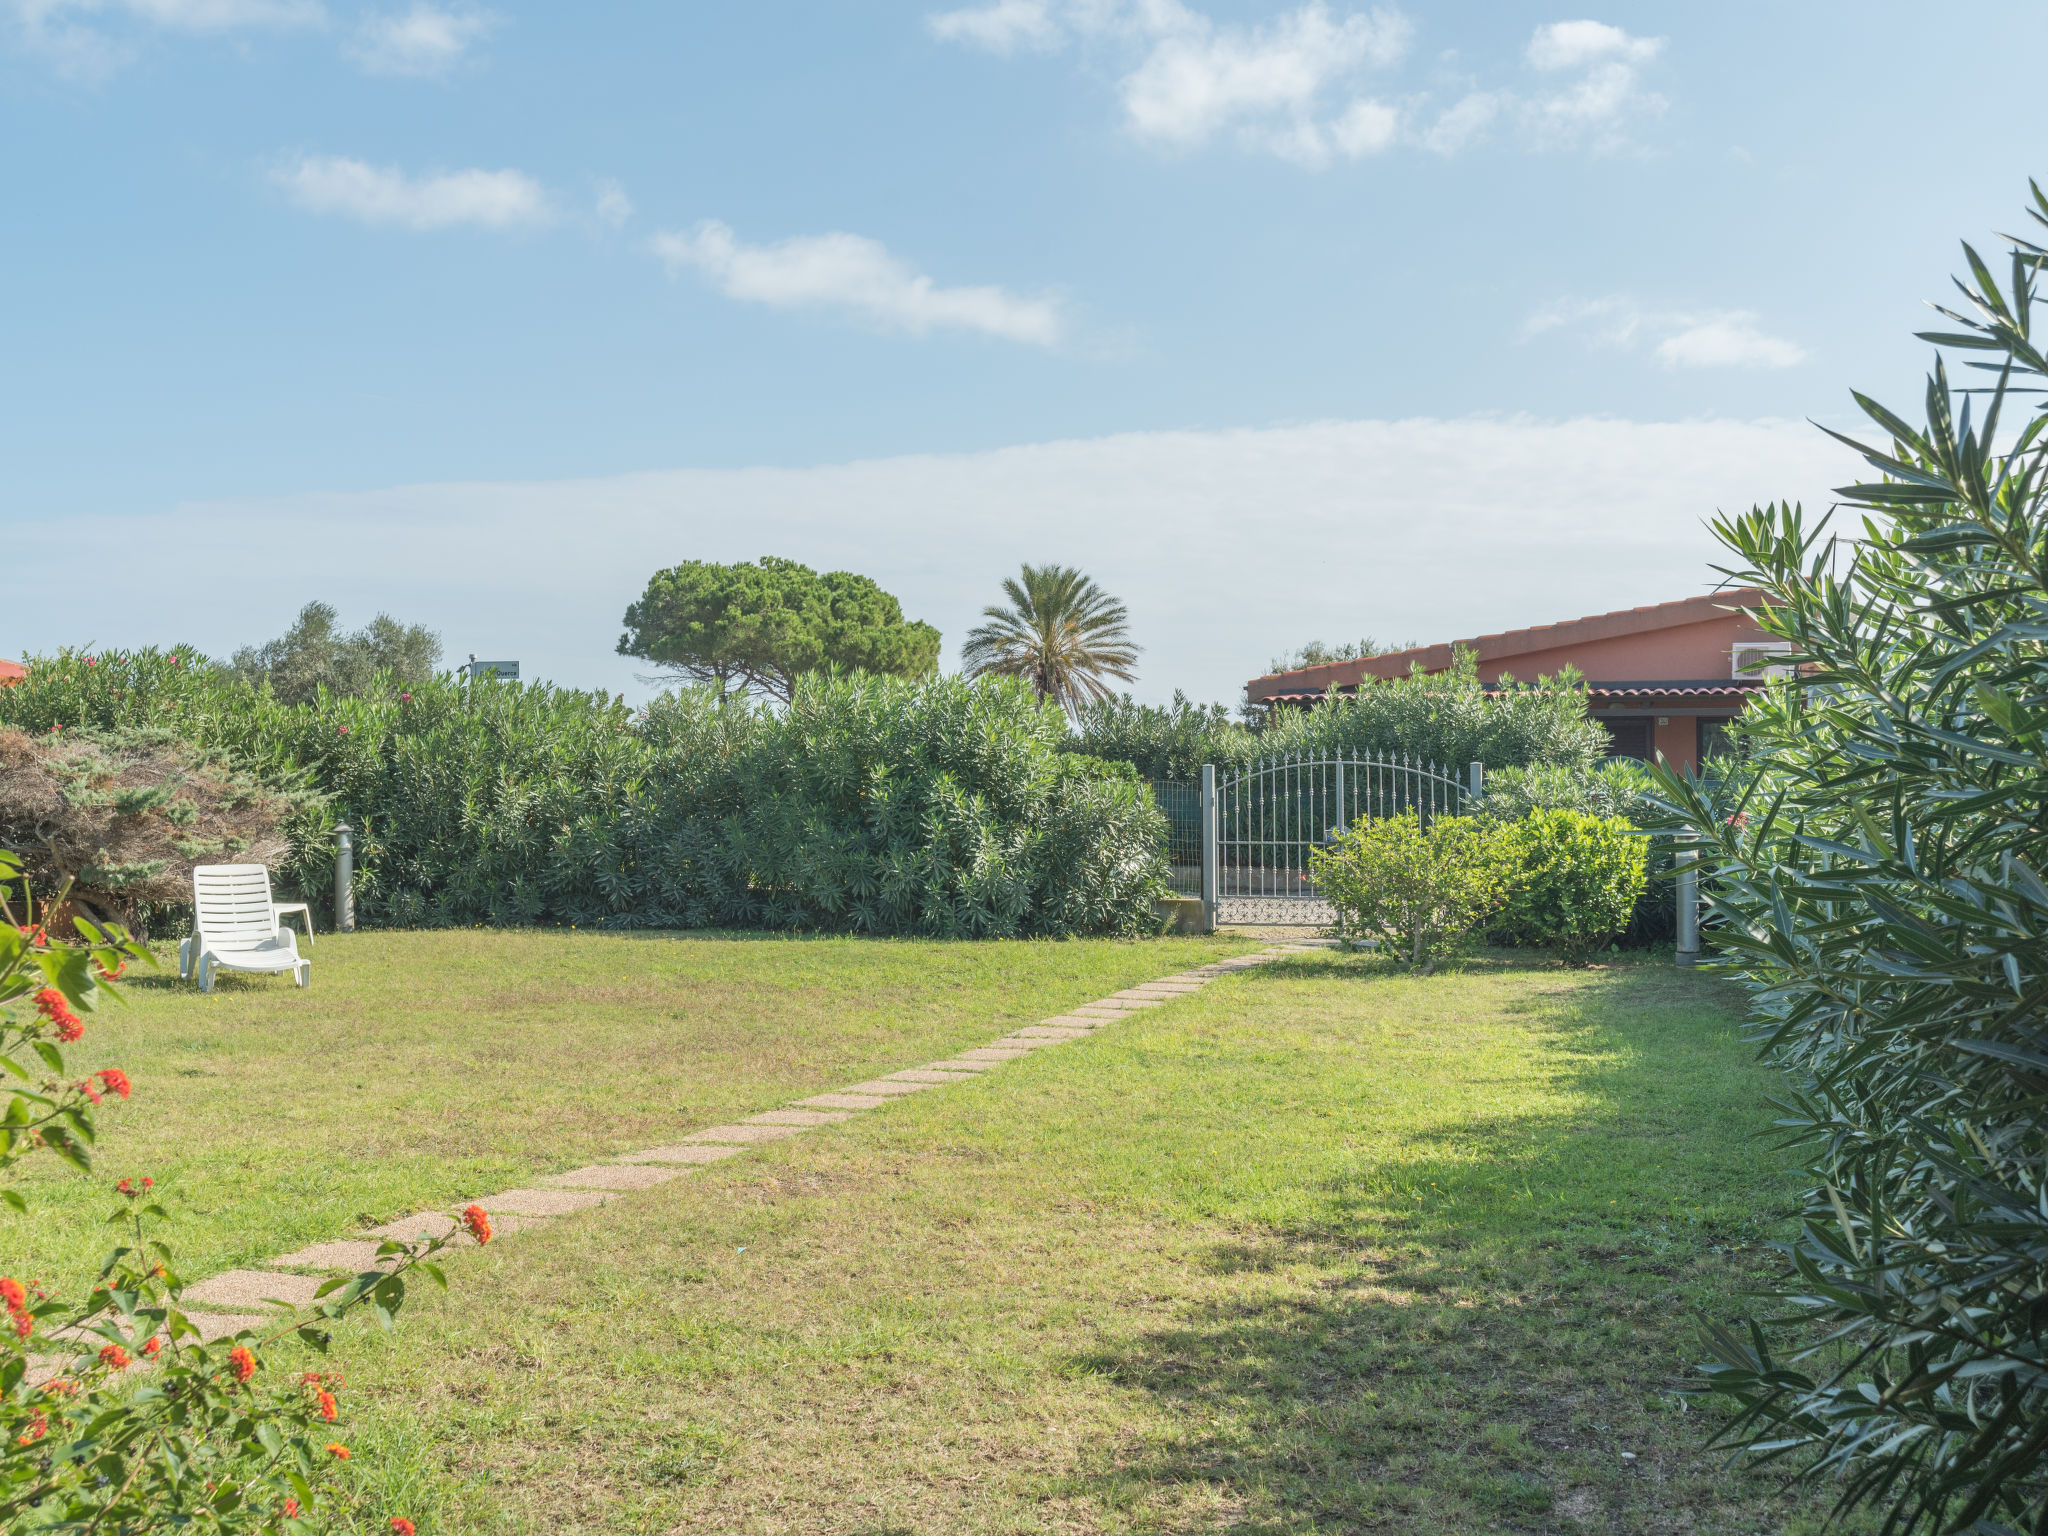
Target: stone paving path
[(224, 1304)]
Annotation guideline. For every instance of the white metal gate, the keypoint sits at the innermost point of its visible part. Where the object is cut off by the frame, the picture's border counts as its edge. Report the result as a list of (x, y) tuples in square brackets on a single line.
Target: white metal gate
[(1260, 822)]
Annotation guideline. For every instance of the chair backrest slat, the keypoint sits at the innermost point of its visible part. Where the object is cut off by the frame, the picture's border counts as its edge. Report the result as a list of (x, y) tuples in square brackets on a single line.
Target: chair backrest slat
[(233, 901)]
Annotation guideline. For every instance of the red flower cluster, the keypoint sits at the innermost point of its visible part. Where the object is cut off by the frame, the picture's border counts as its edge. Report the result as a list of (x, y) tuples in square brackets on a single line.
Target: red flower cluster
[(16, 1296), (129, 1187), (51, 1005), (35, 935), (114, 1080), (1739, 819), (329, 1409), (341, 730), (115, 1358), (401, 1525), (88, 1090), (478, 1220), (115, 974), (37, 1428), (241, 1362), (291, 1508), (153, 1348), (337, 1450)]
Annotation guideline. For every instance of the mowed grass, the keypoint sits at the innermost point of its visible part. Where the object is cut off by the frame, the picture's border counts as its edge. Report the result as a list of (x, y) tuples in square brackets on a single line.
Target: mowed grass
[(426, 1068), (1322, 1249)]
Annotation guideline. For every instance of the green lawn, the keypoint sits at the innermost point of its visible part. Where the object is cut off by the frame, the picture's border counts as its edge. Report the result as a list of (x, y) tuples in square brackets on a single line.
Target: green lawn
[(1320, 1250), (421, 1069)]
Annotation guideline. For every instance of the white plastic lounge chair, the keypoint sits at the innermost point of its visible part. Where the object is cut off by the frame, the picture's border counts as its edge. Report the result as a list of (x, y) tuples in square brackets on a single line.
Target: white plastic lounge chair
[(235, 927)]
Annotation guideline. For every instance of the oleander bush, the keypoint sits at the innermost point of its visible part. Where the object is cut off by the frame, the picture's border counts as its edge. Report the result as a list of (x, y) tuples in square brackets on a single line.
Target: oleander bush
[(1446, 718), (1569, 881), (868, 804), (1876, 869)]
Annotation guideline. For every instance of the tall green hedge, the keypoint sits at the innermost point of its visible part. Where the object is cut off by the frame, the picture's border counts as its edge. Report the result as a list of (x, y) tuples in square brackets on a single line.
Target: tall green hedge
[(868, 805)]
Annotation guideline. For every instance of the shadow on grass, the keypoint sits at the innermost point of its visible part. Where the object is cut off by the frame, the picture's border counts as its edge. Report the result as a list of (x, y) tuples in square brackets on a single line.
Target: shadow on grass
[(1485, 1359)]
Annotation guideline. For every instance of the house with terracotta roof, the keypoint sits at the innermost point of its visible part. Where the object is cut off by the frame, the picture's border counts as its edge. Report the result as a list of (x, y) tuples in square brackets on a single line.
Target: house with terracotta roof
[(1665, 679), (11, 671)]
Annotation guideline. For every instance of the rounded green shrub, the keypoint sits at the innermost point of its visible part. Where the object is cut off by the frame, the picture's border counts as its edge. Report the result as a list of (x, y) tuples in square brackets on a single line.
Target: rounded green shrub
[(1571, 880)]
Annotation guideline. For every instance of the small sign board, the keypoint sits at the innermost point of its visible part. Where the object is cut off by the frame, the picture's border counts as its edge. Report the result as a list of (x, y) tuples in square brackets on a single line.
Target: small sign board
[(503, 671)]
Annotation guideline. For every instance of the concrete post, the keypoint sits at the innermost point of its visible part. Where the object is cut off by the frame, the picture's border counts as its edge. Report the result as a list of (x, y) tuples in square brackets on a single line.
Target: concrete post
[(1477, 774), (344, 879), (1688, 884), (1208, 847)]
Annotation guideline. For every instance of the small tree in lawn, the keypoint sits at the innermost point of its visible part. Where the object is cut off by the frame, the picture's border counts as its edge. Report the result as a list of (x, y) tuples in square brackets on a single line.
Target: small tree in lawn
[(761, 624), (1419, 890)]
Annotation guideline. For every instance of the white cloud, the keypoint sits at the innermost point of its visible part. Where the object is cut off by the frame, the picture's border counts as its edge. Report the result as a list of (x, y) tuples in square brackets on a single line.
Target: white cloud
[(379, 195), (1729, 338), (854, 273), (1574, 44), (1187, 78), (613, 206), (1204, 78), (1596, 108), (1000, 28), (1288, 87), (426, 40), (1438, 528), (1463, 123), (90, 39)]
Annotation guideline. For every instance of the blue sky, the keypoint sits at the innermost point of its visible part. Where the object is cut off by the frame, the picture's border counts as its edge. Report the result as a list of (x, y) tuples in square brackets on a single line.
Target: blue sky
[(292, 279)]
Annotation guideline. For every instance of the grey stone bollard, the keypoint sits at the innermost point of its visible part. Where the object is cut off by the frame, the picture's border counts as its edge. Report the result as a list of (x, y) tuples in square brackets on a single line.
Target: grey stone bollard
[(344, 879)]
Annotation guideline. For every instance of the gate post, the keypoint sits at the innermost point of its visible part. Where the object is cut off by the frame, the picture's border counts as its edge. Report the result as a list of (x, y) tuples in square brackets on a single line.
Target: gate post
[(1477, 774), (344, 879), (1209, 834), (1688, 861)]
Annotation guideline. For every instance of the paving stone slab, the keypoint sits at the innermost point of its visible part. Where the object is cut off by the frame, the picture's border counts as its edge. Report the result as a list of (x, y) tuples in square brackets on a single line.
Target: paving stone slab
[(251, 1288), (542, 1202), (956, 1064), (991, 1054), (350, 1255), (702, 1153), (884, 1087), (848, 1100), (745, 1134), (1071, 1021), (1167, 988), (930, 1074), (410, 1229), (613, 1176), (1051, 1032), (1023, 1043), (799, 1117)]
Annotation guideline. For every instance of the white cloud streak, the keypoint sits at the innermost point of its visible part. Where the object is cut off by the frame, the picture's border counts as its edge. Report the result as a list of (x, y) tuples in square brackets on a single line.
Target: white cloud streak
[(1440, 528), (91, 39), (1731, 338), (857, 275), (1291, 87), (1283, 88), (426, 40), (381, 195)]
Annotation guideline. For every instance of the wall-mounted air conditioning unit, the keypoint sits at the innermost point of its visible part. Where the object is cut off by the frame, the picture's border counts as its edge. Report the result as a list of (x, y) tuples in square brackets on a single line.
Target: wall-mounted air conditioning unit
[(1752, 660)]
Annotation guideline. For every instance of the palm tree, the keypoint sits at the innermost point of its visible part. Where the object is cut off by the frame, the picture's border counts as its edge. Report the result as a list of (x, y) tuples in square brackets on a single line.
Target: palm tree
[(1063, 634)]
